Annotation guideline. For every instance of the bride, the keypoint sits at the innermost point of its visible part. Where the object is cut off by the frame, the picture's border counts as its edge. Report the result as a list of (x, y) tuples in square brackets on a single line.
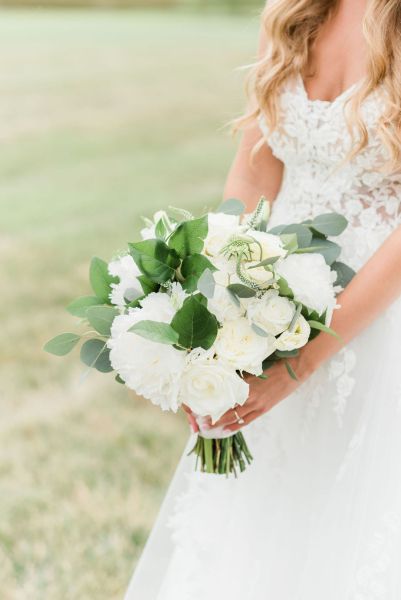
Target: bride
[(317, 516)]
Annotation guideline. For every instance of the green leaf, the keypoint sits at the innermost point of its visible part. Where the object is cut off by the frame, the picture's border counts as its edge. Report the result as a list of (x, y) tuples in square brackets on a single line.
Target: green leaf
[(286, 353), (155, 331), (101, 318), (155, 260), (119, 379), (95, 354), (290, 241), (328, 249), (284, 288), (100, 279), (147, 285), (207, 284), (259, 331), (322, 327), (344, 273), (291, 371), (303, 233), (330, 224), (263, 376), (232, 206), (242, 291), (233, 297), (189, 237), (266, 262), (277, 230), (192, 268), (160, 229), (62, 344), (195, 325), (79, 306)]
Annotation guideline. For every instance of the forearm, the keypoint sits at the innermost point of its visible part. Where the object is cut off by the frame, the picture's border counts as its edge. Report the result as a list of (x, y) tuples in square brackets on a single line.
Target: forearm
[(369, 294)]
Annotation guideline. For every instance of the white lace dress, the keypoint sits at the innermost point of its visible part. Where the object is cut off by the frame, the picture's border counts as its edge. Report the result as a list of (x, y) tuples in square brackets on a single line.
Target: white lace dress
[(318, 514)]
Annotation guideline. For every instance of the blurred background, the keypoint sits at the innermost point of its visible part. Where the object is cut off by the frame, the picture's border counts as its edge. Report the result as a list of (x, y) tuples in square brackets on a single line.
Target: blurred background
[(108, 111)]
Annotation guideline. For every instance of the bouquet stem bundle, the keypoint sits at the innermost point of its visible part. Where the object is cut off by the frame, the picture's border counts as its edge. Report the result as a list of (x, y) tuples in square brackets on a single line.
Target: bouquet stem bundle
[(222, 456)]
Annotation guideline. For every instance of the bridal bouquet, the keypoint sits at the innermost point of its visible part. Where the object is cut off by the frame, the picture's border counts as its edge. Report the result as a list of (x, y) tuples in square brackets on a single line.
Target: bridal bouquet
[(200, 302)]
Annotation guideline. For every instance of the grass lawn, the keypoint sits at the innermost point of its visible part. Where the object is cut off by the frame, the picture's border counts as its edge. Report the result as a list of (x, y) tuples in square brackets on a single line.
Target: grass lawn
[(105, 116)]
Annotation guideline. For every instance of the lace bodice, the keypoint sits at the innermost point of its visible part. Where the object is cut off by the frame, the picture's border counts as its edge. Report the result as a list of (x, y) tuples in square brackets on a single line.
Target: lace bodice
[(313, 142)]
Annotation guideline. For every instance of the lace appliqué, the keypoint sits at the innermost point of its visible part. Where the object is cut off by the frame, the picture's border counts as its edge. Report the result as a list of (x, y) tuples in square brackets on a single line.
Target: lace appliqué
[(340, 371)]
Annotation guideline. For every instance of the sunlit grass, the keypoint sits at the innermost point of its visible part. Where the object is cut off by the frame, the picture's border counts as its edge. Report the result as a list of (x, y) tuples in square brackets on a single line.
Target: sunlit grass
[(105, 117)]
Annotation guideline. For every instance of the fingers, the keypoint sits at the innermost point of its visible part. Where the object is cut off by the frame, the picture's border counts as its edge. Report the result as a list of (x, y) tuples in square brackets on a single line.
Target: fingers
[(191, 418), (248, 419)]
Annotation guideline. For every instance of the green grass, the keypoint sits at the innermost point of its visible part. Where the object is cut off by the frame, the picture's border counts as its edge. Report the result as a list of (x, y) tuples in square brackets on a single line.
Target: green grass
[(105, 117)]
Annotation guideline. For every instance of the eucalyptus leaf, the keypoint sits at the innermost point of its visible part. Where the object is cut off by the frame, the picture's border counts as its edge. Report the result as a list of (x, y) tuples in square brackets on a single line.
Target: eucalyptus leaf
[(155, 331), (265, 263), (95, 354), (242, 291), (284, 288), (303, 233), (207, 284), (196, 326), (286, 353), (291, 371), (101, 318), (344, 273), (101, 279), (78, 307), (62, 344), (330, 223), (277, 230), (324, 328), (259, 331), (155, 260), (330, 250), (233, 297), (189, 237), (290, 241), (232, 206)]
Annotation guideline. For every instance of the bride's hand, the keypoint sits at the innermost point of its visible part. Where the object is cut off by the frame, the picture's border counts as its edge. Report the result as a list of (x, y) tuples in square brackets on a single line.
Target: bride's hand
[(264, 394)]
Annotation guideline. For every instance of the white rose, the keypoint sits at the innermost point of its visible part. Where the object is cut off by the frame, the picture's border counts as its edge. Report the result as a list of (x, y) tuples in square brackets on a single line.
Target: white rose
[(128, 287), (223, 306), (272, 313), (259, 275), (266, 245), (291, 340), (242, 348), (157, 306), (150, 369), (210, 387), (311, 281), (220, 229)]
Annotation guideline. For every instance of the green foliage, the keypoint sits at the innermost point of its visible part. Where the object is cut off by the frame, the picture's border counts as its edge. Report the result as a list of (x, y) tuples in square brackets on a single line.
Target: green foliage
[(330, 250), (242, 291), (344, 273), (207, 284), (331, 224), (62, 344), (101, 318), (78, 307), (303, 233), (195, 325), (156, 332), (321, 327), (155, 260), (192, 269), (100, 279), (189, 237), (232, 206), (95, 354)]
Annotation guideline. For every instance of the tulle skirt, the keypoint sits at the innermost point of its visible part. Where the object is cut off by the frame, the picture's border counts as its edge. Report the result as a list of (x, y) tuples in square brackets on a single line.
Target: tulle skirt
[(317, 516)]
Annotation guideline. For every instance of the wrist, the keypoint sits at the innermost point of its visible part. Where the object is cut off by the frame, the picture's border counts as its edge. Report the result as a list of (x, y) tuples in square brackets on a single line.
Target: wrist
[(306, 364)]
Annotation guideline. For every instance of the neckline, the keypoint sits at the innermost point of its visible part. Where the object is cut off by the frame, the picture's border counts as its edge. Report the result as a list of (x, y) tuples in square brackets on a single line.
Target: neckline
[(340, 96)]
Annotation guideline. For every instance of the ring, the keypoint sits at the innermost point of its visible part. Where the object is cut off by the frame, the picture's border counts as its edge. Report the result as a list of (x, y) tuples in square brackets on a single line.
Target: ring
[(240, 420)]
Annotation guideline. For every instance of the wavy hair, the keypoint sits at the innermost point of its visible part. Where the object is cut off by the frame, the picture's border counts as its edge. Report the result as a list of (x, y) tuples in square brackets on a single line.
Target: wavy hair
[(291, 27)]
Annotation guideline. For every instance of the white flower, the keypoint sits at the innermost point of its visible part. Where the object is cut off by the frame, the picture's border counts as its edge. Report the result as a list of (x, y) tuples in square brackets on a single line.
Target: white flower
[(259, 275), (129, 287), (242, 348), (272, 313), (157, 306), (311, 281), (226, 269), (210, 387), (266, 245), (150, 369), (291, 340), (220, 229), (223, 306), (149, 232)]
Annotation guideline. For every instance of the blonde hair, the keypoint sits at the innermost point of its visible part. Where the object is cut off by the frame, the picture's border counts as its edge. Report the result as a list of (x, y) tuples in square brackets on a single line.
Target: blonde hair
[(291, 27)]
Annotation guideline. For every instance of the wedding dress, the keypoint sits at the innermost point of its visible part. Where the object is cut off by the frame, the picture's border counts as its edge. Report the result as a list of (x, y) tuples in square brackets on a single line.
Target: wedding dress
[(317, 516)]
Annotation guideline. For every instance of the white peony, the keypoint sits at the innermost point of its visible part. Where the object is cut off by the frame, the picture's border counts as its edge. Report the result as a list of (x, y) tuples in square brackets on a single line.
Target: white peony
[(266, 245), (291, 340), (311, 281), (223, 306), (242, 348), (150, 369), (272, 313), (210, 387), (220, 229), (128, 287)]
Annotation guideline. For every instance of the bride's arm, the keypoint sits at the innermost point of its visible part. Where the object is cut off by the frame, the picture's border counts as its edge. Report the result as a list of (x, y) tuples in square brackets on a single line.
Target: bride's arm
[(369, 294)]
